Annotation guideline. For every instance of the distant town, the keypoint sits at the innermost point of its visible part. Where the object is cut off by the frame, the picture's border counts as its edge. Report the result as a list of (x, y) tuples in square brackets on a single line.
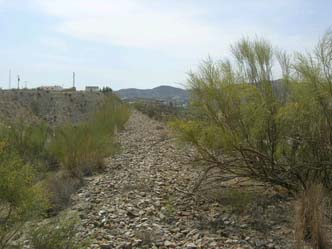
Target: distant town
[(54, 88), (57, 88)]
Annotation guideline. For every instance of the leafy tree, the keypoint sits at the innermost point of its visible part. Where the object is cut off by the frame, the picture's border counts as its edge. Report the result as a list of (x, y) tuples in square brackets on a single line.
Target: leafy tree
[(250, 126), (106, 89)]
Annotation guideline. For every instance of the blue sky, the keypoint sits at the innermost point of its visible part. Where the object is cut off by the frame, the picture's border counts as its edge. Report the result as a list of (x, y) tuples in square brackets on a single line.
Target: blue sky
[(142, 43)]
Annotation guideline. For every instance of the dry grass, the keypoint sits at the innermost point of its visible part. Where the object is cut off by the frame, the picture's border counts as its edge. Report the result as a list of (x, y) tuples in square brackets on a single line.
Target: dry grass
[(310, 222), (61, 186)]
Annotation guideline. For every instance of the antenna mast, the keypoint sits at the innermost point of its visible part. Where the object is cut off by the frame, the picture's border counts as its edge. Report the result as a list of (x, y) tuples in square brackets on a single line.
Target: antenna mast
[(74, 76), (18, 81)]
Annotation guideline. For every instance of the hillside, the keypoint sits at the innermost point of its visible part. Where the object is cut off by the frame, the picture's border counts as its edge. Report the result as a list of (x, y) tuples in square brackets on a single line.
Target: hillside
[(161, 93), (52, 107)]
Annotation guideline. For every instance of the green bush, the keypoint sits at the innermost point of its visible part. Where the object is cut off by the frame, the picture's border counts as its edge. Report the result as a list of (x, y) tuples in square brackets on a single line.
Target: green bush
[(59, 234), (20, 199), (28, 140), (82, 148), (251, 127)]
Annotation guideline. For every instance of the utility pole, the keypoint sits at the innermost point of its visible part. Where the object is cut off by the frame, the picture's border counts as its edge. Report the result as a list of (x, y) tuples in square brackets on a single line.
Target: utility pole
[(74, 79), (18, 81), (10, 79)]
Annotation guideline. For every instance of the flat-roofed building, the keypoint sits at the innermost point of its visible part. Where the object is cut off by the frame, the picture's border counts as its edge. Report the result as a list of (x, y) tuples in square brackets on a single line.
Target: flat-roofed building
[(92, 88), (50, 88)]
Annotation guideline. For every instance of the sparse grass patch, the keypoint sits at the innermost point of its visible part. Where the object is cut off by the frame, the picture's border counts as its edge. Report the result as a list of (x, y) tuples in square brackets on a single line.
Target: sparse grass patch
[(147, 237), (169, 210), (238, 200), (60, 187), (59, 234)]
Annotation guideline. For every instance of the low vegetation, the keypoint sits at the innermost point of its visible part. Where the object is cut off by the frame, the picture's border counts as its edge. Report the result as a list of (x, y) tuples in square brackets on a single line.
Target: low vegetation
[(20, 199), (58, 234), (81, 148), (160, 111), (36, 159)]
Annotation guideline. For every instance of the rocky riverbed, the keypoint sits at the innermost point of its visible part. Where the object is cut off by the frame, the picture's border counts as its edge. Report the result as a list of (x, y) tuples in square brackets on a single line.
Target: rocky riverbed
[(142, 201)]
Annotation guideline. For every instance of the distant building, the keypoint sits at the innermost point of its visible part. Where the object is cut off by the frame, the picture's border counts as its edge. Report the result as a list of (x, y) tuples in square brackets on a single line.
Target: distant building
[(71, 89), (92, 88), (50, 88)]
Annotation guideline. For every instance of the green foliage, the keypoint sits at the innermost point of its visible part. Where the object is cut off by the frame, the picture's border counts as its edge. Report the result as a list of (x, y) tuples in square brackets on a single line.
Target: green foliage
[(78, 149), (74, 146), (59, 234), (106, 90), (81, 148), (20, 199), (28, 140), (247, 125), (112, 116), (159, 111), (35, 107)]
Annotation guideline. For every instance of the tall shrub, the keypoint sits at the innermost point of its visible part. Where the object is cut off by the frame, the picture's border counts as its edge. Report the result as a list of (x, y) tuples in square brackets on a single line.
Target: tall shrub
[(82, 148), (20, 199), (250, 126)]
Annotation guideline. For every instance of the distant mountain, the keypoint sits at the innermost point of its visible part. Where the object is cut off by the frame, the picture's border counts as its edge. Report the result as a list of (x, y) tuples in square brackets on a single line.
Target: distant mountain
[(161, 93)]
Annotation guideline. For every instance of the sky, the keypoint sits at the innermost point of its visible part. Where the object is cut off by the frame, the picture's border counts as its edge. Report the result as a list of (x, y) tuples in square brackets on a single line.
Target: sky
[(142, 43)]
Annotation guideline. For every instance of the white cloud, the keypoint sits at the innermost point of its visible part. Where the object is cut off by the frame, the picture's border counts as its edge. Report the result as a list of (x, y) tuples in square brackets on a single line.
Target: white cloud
[(132, 23), (180, 28)]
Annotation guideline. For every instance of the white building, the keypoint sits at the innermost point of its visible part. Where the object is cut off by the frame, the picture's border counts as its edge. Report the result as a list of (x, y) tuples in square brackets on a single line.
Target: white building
[(92, 88), (50, 88)]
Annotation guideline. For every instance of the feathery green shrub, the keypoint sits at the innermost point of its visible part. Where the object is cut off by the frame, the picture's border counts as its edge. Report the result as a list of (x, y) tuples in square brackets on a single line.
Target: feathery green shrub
[(249, 126), (82, 148), (20, 198), (28, 140)]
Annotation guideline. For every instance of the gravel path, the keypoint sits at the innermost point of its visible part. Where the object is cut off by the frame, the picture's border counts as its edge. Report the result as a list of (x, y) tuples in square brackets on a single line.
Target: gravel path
[(139, 201)]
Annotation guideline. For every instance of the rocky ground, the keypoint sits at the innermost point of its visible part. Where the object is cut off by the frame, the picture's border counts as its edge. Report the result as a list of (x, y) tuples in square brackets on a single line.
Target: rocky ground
[(142, 201)]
